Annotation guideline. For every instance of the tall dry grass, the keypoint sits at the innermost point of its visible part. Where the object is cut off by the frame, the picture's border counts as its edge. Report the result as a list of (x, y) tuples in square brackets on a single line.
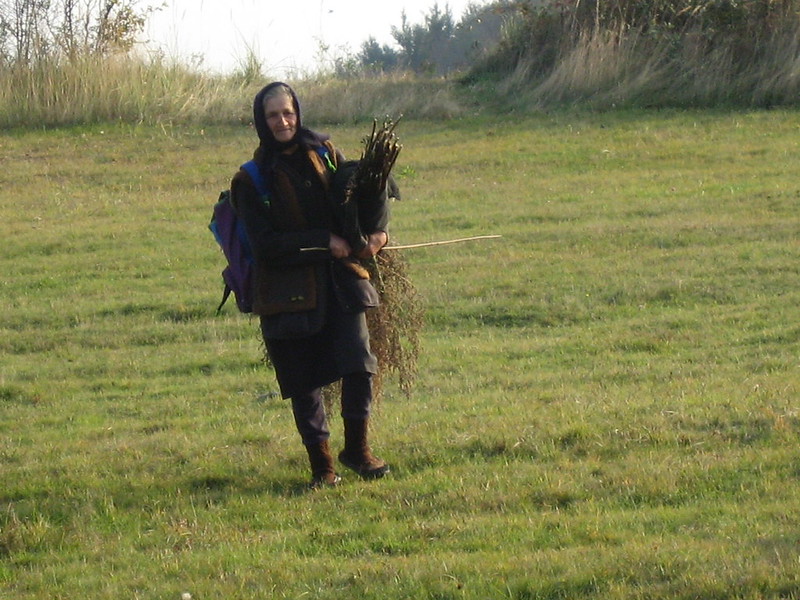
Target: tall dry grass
[(352, 100), (90, 89), (606, 69), (623, 56), (622, 53)]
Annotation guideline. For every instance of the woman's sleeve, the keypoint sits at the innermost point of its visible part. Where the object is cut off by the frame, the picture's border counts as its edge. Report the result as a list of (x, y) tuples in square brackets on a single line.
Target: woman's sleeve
[(374, 216)]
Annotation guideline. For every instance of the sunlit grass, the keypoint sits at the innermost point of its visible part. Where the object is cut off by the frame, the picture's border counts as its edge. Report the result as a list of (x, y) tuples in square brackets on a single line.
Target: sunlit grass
[(606, 404)]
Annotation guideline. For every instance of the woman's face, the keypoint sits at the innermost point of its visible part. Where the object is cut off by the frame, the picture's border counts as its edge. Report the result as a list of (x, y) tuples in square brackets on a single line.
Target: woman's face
[(281, 117)]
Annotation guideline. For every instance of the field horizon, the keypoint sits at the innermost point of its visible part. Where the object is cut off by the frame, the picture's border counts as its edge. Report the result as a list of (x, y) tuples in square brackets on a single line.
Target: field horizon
[(606, 402)]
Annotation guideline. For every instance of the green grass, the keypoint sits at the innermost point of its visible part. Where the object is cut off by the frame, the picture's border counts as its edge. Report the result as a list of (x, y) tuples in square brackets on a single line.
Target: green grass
[(607, 398)]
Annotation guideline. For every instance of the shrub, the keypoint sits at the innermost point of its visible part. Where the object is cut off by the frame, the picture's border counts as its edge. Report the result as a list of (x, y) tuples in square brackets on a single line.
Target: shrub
[(656, 52)]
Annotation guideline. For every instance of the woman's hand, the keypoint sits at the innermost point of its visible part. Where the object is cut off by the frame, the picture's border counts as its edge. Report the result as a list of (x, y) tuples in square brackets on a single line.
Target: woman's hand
[(375, 242), (339, 247)]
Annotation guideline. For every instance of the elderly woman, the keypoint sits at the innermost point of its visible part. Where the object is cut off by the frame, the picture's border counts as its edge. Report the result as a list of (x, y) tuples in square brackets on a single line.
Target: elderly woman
[(309, 290)]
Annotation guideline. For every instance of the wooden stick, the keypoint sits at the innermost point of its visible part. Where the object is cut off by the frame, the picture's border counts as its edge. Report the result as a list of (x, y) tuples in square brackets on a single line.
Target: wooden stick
[(425, 244), (442, 242)]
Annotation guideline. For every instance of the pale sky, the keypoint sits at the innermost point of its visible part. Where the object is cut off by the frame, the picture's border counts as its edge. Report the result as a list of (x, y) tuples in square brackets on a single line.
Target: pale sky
[(285, 34)]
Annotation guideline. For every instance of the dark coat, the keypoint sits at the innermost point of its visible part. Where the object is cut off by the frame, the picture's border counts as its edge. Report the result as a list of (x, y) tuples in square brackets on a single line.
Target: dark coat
[(289, 231)]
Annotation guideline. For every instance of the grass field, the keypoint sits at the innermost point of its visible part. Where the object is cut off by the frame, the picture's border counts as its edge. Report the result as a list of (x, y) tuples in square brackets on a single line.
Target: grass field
[(607, 401)]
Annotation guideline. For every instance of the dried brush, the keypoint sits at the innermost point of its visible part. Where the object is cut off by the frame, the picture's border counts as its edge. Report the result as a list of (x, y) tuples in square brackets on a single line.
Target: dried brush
[(395, 325)]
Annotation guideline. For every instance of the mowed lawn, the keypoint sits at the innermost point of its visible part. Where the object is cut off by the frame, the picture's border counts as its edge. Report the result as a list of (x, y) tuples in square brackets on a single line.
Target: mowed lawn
[(606, 404)]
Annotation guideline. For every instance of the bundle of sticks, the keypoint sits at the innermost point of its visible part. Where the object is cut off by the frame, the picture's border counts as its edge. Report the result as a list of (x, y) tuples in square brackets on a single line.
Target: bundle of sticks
[(381, 149), (363, 202)]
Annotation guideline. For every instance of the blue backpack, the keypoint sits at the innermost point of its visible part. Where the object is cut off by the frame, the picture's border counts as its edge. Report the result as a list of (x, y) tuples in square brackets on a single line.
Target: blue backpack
[(229, 231)]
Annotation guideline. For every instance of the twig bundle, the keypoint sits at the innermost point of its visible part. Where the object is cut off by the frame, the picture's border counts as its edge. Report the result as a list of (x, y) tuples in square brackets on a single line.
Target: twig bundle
[(381, 149), (365, 190)]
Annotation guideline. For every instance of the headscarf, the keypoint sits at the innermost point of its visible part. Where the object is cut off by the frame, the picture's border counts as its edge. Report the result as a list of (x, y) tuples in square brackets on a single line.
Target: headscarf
[(269, 146)]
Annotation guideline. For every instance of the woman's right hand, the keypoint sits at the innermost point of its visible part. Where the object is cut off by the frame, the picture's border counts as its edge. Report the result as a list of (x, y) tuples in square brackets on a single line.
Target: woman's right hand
[(339, 247)]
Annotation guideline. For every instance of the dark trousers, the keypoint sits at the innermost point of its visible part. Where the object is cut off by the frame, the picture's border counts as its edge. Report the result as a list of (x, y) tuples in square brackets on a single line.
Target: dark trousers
[(309, 409)]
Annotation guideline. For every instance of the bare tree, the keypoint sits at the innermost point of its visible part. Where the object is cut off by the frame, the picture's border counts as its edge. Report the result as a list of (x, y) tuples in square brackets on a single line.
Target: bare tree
[(22, 23), (33, 29)]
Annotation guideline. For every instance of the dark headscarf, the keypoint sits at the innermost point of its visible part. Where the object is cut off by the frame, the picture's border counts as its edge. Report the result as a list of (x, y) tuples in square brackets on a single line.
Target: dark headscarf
[(269, 146)]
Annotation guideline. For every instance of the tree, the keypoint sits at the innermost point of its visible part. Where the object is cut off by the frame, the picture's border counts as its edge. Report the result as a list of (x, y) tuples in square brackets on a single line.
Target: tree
[(437, 45), (375, 57), (34, 29), (23, 23), (422, 44)]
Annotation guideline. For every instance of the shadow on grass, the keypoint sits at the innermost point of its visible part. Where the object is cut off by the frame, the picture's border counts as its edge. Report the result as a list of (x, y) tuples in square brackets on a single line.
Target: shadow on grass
[(215, 489)]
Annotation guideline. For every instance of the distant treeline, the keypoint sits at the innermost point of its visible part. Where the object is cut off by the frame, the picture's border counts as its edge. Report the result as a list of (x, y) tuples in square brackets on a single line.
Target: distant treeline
[(65, 61), (644, 52)]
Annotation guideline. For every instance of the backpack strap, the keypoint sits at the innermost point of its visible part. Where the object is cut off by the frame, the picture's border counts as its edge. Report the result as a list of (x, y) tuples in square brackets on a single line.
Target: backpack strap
[(225, 295), (328, 154), (255, 175)]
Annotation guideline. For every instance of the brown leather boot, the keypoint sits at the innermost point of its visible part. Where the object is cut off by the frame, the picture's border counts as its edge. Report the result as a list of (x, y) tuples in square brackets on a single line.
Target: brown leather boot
[(322, 473), (356, 454)]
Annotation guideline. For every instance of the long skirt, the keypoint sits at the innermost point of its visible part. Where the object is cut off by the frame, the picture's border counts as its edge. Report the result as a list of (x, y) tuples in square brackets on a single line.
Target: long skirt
[(341, 347)]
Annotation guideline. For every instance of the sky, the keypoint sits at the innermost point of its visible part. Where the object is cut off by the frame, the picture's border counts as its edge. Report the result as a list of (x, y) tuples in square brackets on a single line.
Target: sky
[(286, 35)]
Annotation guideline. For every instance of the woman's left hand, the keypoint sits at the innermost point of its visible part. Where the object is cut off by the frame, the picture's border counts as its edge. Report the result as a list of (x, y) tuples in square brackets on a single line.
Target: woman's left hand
[(375, 242)]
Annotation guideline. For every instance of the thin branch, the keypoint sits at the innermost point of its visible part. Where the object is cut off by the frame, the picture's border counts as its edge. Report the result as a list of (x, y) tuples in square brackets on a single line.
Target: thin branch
[(423, 244), (442, 242)]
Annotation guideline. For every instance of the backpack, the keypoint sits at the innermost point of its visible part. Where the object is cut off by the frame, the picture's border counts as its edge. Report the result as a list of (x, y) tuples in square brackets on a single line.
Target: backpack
[(229, 231)]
